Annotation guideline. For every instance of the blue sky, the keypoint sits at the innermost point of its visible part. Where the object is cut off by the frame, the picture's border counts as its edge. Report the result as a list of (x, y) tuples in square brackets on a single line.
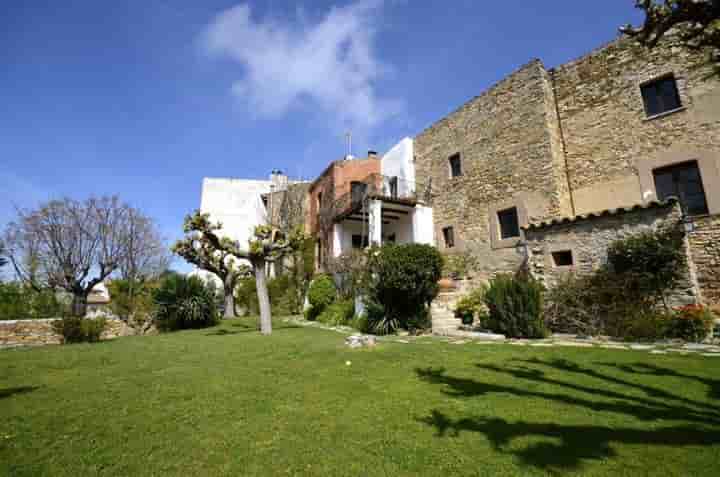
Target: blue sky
[(144, 98)]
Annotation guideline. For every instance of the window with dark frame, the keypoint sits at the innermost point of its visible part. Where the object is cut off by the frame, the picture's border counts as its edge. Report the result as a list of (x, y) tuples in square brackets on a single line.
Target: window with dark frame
[(449, 237), (357, 191), (359, 241), (455, 165), (562, 258), (509, 223), (393, 185), (684, 182), (660, 96), (319, 200)]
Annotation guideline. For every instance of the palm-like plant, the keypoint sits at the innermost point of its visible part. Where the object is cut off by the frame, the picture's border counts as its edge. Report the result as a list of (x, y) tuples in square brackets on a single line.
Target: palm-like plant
[(184, 302)]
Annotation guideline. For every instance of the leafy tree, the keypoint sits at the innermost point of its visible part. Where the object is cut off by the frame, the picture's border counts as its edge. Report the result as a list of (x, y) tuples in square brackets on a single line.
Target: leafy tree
[(71, 245), (204, 248), (697, 23)]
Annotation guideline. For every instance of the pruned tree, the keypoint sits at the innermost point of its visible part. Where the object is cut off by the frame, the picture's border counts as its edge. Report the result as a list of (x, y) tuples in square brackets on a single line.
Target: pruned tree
[(70, 245), (205, 248), (147, 254), (697, 23)]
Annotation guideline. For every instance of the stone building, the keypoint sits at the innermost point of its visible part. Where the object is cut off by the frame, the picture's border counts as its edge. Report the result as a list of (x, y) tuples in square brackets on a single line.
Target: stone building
[(619, 127)]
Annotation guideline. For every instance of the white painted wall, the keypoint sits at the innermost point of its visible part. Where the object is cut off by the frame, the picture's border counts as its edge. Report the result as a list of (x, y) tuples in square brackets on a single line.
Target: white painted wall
[(422, 225), (237, 204), (398, 162)]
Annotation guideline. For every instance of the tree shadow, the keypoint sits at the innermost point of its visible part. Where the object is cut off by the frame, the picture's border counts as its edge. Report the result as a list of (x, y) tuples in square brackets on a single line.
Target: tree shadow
[(655, 370), (574, 368), (572, 444), (7, 392)]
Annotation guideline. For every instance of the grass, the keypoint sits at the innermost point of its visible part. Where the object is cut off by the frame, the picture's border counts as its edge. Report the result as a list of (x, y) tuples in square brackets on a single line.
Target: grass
[(227, 401)]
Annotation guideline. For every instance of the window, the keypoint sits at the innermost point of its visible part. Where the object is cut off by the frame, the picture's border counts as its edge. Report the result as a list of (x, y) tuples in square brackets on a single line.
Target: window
[(562, 258), (319, 200), (660, 96), (684, 182), (357, 191), (359, 241), (509, 225), (393, 185), (455, 165), (449, 237)]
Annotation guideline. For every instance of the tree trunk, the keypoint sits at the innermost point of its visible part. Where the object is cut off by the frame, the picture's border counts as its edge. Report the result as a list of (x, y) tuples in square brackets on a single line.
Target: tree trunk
[(229, 290), (263, 297), (79, 305)]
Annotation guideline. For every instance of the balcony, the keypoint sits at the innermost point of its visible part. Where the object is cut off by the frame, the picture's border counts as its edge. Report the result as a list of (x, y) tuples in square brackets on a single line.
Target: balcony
[(391, 190)]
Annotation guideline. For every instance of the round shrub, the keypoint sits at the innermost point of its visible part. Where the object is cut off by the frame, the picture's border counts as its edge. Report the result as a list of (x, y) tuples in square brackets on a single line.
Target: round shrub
[(321, 294), (184, 302), (404, 281), (338, 313)]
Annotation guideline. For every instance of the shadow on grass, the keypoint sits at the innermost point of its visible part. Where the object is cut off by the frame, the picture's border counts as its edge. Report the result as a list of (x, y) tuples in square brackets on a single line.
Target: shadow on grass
[(7, 392), (655, 370), (572, 444)]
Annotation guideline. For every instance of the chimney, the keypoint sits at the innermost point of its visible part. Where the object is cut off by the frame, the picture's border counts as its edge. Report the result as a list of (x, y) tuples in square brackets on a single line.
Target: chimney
[(372, 154), (278, 180)]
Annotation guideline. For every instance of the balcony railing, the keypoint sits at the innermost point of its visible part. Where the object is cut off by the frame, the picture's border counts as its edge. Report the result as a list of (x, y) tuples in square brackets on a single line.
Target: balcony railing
[(377, 186)]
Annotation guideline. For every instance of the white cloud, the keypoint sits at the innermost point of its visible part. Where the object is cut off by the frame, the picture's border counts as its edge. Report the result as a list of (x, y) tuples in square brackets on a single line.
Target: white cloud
[(330, 64)]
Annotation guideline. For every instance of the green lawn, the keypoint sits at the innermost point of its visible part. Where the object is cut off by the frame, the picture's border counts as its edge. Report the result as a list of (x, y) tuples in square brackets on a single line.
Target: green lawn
[(227, 401)]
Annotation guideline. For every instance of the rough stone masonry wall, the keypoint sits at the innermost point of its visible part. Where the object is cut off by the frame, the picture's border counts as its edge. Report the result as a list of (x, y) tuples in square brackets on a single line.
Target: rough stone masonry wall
[(40, 332), (705, 251), (589, 239), (604, 123), (508, 153)]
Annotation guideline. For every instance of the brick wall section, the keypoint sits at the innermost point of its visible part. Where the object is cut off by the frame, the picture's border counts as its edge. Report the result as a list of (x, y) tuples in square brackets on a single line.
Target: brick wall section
[(705, 250), (332, 184), (589, 239), (40, 332)]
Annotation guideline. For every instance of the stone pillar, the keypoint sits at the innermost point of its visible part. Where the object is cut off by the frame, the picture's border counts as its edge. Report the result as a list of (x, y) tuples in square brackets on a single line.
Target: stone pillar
[(375, 222)]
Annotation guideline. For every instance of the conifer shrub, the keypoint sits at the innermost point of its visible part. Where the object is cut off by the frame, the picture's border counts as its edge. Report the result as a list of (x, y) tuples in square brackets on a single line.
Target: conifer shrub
[(515, 305)]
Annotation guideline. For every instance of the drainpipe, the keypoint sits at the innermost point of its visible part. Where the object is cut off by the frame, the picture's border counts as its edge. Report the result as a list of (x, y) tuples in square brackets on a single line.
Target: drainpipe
[(562, 140)]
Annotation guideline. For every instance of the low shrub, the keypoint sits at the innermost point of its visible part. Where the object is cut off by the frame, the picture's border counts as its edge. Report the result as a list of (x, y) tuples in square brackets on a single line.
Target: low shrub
[(246, 296), (691, 323), (19, 301), (132, 302), (321, 294), (361, 323), (515, 306), (339, 313), (283, 295), (184, 302), (471, 307), (74, 329)]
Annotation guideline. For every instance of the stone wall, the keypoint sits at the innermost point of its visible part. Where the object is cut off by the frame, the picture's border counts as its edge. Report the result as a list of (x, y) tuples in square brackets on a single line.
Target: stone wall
[(40, 332), (570, 141), (510, 157), (705, 252), (588, 238), (605, 127)]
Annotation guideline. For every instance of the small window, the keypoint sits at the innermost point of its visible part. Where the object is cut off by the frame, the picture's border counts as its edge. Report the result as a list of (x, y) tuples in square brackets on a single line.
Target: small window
[(562, 258), (684, 182), (449, 237), (660, 96), (357, 191), (455, 165), (359, 241), (319, 200), (509, 225), (393, 185)]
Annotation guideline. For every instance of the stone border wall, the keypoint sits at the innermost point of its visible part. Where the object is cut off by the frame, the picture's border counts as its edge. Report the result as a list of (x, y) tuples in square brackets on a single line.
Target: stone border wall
[(40, 332), (588, 238)]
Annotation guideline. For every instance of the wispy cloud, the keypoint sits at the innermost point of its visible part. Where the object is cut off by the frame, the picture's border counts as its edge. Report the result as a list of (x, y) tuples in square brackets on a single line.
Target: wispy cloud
[(330, 64)]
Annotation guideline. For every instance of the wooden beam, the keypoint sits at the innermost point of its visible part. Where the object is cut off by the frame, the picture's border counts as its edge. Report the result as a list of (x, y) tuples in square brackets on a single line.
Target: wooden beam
[(396, 211)]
